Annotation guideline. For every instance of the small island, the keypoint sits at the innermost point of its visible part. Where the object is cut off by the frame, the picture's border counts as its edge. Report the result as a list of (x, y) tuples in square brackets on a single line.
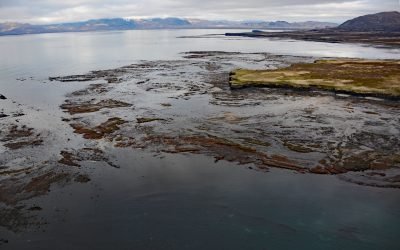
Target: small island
[(352, 76)]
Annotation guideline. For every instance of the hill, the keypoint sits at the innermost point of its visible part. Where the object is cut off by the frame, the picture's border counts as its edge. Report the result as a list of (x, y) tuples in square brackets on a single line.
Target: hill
[(384, 21), (91, 25)]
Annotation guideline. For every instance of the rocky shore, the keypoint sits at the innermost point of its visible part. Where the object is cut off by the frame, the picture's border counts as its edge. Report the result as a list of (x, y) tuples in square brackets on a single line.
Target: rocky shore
[(151, 128), (186, 107)]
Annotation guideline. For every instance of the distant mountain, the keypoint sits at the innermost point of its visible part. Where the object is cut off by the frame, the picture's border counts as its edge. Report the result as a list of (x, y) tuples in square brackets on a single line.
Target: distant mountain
[(151, 23), (7, 27), (314, 25), (161, 23), (91, 25), (302, 25), (261, 24), (384, 21)]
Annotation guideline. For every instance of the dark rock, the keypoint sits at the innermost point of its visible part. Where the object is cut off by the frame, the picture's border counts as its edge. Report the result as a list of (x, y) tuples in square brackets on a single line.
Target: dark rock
[(2, 97), (18, 114), (35, 208), (3, 241), (82, 179)]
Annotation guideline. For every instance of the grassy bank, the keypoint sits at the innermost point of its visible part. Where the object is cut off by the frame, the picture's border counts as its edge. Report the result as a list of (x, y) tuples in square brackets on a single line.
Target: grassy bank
[(354, 76)]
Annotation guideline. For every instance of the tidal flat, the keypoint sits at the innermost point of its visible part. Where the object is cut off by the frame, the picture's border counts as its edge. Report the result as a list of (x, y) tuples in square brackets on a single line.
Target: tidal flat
[(164, 153), (300, 131)]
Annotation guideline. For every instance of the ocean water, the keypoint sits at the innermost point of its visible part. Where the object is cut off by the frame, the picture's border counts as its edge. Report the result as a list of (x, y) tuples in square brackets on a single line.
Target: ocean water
[(185, 201)]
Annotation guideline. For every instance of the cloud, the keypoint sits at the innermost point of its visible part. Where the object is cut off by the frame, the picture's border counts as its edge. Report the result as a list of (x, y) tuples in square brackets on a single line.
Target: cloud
[(50, 11)]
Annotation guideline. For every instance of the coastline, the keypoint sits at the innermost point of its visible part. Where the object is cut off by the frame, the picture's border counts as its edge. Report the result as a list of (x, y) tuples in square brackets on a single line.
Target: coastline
[(389, 39)]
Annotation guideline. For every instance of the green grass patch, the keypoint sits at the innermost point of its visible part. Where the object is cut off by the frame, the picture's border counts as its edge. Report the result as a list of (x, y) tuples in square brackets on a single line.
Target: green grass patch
[(370, 77)]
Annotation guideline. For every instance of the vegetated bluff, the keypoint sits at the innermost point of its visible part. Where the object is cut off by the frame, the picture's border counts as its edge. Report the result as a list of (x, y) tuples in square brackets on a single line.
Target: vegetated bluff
[(384, 21)]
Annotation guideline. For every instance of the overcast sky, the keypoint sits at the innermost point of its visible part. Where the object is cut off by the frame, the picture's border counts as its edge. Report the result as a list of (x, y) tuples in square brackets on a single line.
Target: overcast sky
[(53, 11)]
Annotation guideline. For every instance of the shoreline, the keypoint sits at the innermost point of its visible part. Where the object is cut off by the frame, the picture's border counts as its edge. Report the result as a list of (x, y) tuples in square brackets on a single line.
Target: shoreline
[(389, 39)]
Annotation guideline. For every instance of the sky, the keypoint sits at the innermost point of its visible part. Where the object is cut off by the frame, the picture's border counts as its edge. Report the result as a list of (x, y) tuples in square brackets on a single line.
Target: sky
[(56, 11)]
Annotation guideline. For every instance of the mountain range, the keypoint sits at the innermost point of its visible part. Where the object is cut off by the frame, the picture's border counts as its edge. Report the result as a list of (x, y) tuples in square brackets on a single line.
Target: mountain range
[(12, 28)]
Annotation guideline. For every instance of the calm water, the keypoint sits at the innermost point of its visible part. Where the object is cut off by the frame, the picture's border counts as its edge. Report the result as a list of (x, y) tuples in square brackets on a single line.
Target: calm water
[(44, 55), (186, 202)]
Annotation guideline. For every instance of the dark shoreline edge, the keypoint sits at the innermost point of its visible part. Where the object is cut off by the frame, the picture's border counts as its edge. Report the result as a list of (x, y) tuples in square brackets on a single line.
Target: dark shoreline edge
[(314, 89), (387, 39), (308, 89)]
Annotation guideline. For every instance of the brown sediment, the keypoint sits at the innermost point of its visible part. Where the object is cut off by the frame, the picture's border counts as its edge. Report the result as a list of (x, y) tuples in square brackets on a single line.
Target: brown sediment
[(21, 144), (74, 78), (92, 89), (82, 178), (297, 147), (362, 161), (68, 159), (148, 119), (98, 132), (255, 142), (24, 183), (41, 184), (233, 151), (281, 161), (373, 180), (16, 132), (125, 142), (89, 106), (71, 158), (18, 137), (166, 104), (16, 171), (352, 76), (74, 157), (222, 149), (372, 161), (14, 189), (358, 162), (206, 54), (328, 170), (111, 76)]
